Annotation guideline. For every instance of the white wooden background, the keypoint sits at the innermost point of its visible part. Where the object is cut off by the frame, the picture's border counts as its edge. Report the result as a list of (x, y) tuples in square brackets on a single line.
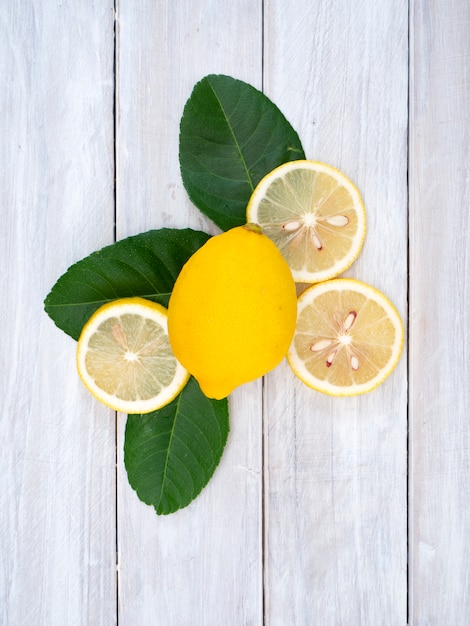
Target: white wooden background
[(323, 511)]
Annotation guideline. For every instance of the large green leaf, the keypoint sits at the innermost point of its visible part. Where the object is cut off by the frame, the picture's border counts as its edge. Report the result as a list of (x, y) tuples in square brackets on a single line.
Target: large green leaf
[(231, 135), (171, 454), (145, 265)]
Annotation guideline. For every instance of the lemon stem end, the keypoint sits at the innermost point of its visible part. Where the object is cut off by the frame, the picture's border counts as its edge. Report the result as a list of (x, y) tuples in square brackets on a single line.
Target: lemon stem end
[(255, 228)]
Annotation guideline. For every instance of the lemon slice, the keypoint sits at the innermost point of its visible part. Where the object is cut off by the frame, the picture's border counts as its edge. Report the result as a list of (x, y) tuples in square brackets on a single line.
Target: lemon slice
[(124, 357), (314, 214), (348, 338)]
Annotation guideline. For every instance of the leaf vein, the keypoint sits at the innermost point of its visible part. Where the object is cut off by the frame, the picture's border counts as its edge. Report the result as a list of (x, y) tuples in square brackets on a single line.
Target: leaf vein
[(235, 140)]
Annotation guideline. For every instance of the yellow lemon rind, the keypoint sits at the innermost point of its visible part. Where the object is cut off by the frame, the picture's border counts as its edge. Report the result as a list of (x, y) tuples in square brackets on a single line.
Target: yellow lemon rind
[(314, 383), (232, 312), (133, 305)]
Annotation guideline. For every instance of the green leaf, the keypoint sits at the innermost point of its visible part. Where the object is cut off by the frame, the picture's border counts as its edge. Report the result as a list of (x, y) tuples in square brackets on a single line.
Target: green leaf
[(144, 265), (231, 135), (171, 454)]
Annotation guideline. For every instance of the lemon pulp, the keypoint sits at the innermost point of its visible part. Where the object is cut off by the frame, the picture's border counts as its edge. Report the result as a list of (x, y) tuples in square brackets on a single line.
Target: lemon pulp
[(314, 214), (124, 357), (348, 338)]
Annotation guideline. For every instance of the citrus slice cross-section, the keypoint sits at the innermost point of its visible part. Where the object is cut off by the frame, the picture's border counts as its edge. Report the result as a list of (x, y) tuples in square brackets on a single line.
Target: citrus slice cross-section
[(124, 357), (314, 214), (348, 339)]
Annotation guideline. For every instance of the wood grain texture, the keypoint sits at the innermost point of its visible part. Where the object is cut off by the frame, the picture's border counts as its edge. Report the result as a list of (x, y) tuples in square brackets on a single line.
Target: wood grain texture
[(163, 49), (439, 305), (335, 470), (57, 475), (201, 566), (305, 520)]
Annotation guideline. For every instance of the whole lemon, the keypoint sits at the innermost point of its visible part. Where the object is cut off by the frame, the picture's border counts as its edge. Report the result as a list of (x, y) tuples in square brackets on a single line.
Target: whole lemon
[(233, 310)]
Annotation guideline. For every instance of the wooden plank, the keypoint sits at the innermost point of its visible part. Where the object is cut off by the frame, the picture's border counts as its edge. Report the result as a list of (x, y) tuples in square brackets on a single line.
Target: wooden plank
[(439, 305), (335, 468), (57, 526), (201, 565)]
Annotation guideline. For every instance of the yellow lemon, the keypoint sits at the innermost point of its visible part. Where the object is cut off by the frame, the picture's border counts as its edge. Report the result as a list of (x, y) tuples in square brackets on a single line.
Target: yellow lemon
[(124, 357), (232, 312), (348, 339), (314, 214)]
